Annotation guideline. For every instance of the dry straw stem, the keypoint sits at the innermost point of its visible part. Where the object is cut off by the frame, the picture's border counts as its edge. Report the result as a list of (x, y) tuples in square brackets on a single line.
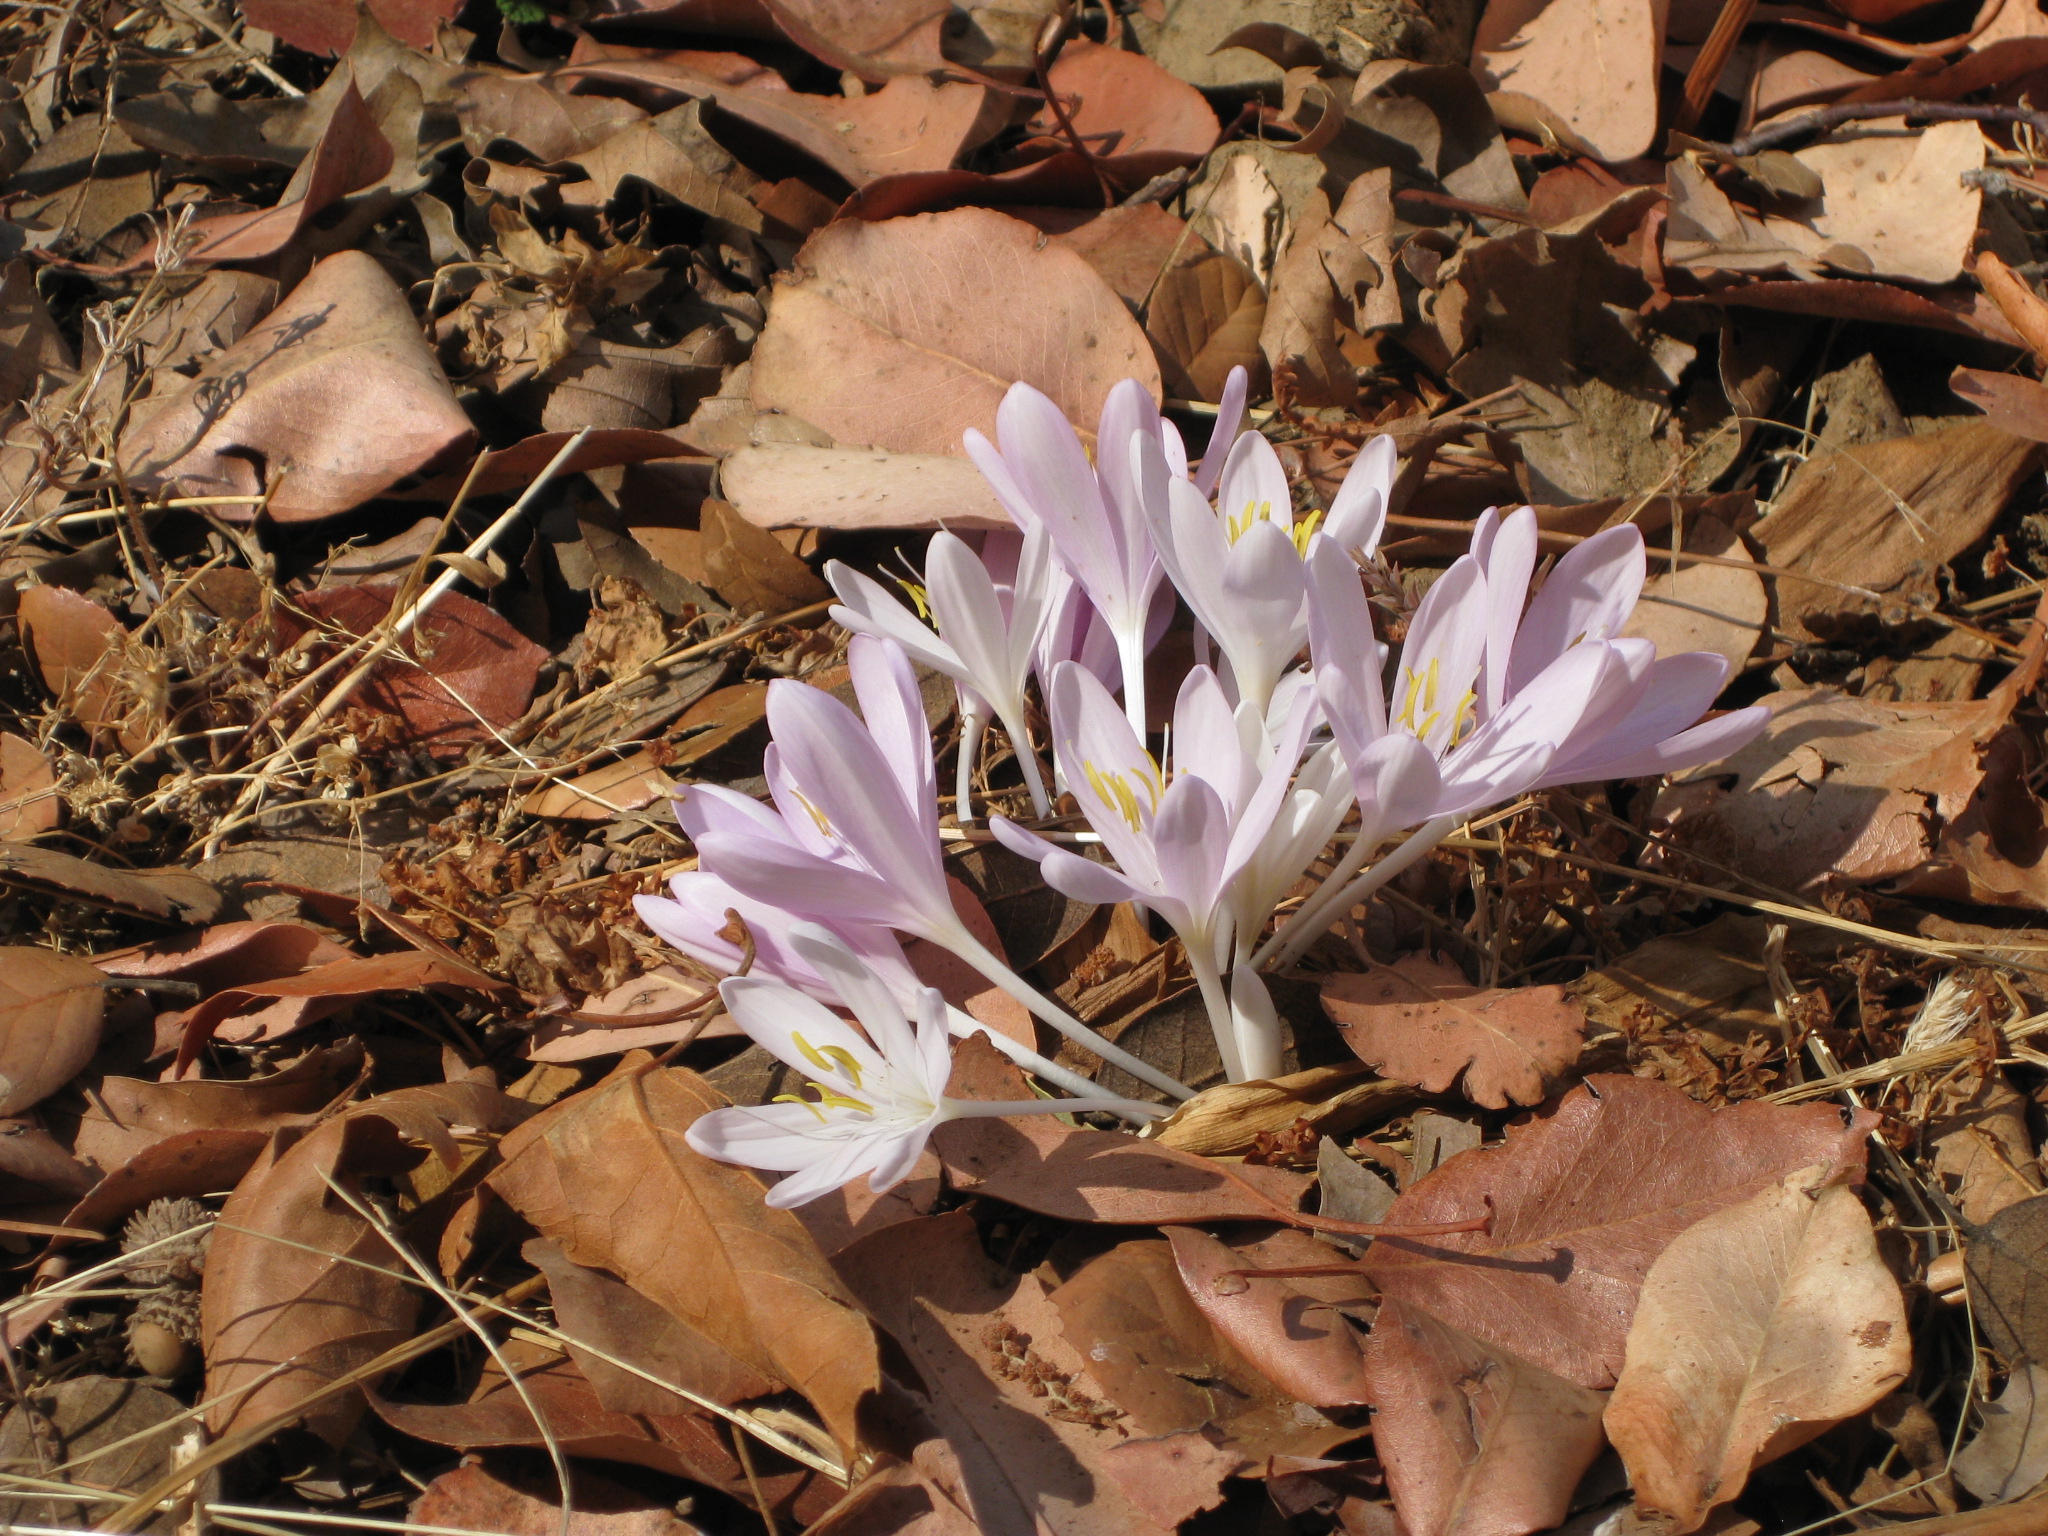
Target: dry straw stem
[(395, 628)]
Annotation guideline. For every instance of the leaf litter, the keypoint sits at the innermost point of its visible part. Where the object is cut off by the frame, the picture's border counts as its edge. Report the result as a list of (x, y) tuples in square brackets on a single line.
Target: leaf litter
[(426, 431)]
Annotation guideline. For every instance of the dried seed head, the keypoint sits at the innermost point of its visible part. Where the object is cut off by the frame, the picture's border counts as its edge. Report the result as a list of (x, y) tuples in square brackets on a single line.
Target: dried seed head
[(176, 1263)]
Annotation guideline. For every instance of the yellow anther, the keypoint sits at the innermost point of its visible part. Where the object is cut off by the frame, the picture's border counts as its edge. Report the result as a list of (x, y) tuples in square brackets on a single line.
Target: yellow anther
[(1419, 688), (1305, 530), (1115, 788), (1236, 528), (830, 1058), (1466, 720), (920, 598), (818, 816), (841, 1101)]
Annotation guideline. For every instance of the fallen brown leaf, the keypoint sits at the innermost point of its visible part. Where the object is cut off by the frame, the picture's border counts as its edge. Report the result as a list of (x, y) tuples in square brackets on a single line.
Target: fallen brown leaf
[(1583, 1199), (1136, 117), (2006, 1260), (469, 1498), (336, 383), (84, 654), (749, 1279), (165, 893), (51, 1006), (1759, 1327), (902, 306), (1304, 1346), (1589, 71), (299, 1287), (1474, 1438), (793, 485), (1419, 1021), (29, 800), (111, 1433)]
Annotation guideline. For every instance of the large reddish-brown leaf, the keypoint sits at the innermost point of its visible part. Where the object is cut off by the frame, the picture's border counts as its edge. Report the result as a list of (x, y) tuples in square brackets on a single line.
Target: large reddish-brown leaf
[(128, 1115), (905, 333), (1161, 1360), (1028, 1423), (1585, 70), (1304, 1345), (280, 1290), (1138, 118), (588, 1171), (332, 399), (1759, 1327), (462, 673), (872, 38), (1084, 1175), (51, 1006), (1474, 1439), (1584, 1198), (1419, 1021)]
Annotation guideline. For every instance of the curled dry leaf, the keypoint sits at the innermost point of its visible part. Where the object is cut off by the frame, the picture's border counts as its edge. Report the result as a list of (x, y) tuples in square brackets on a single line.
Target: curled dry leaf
[(1759, 1327), (2006, 1260), (899, 310), (2008, 1458), (129, 1115), (51, 1006), (745, 1276), (1303, 1345), (1583, 1199), (1229, 1119), (1419, 1021), (332, 400), (1474, 1439), (462, 674), (299, 1287)]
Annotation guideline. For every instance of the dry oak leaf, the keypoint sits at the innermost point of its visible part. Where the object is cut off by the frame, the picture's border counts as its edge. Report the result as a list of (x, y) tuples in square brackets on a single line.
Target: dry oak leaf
[(1585, 68), (329, 26), (285, 1309), (1419, 1021), (797, 485), (902, 334), (332, 400), (1584, 1198), (1140, 120), (1475, 1440), (1759, 1327), (1014, 1400), (1304, 1346), (606, 1176), (51, 1006)]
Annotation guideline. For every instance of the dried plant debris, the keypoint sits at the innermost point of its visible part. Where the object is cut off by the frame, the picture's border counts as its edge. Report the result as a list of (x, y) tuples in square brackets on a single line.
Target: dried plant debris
[(901, 768)]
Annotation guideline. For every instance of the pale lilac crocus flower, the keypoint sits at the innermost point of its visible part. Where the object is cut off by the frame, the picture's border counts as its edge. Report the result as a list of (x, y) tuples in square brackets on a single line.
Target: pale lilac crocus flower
[(693, 919), (859, 835), (1491, 701), (1180, 845), (1090, 512), (987, 636), (879, 1096)]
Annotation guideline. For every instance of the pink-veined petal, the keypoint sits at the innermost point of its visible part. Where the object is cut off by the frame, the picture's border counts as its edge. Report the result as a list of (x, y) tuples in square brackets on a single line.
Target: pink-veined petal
[(841, 1167), (803, 883), (892, 707), (1509, 562), (1107, 769), (877, 1007), (1343, 653), (776, 1017), (1264, 594), (1190, 842), (1044, 457), (1397, 782), (1229, 415), (702, 808), (778, 1137), (1707, 742), (866, 607), (1065, 871), (989, 460), (1433, 696), (1254, 487)]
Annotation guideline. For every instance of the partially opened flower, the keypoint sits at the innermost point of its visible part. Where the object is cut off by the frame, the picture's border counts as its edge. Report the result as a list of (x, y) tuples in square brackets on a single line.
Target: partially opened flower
[(988, 632), (1180, 842), (877, 1097), (1090, 512), (857, 837), (1493, 701)]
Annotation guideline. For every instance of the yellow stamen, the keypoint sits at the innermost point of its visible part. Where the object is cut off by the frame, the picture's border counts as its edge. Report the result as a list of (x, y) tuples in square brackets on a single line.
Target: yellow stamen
[(1305, 530), (1420, 687), (1115, 788), (1235, 528), (818, 816), (1466, 720), (919, 596), (831, 1058), (797, 1098)]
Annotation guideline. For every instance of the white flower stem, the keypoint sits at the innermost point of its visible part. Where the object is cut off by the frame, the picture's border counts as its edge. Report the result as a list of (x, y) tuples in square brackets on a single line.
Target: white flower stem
[(1130, 650), (977, 954), (1034, 780), (972, 724), (963, 1027), (1314, 917), (979, 1109), (1221, 1025)]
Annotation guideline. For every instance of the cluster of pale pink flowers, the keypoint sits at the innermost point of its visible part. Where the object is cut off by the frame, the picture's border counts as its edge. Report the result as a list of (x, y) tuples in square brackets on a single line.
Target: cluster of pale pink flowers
[(1493, 694)]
